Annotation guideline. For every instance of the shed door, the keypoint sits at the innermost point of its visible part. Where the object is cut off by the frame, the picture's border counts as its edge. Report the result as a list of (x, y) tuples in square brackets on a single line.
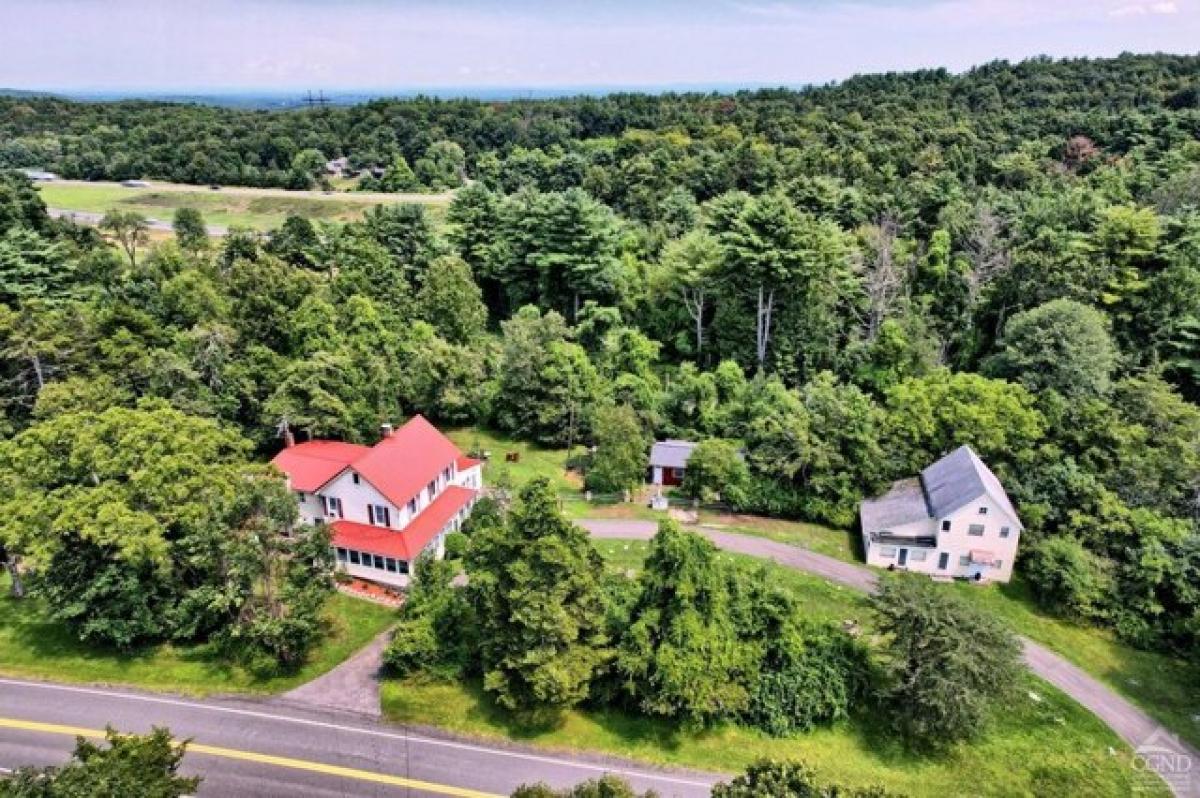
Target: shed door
[(943, 560), (903, 557)]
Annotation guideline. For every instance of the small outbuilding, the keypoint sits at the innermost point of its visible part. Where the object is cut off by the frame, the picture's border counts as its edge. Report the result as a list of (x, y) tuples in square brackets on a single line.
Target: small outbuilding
[(668, 462)]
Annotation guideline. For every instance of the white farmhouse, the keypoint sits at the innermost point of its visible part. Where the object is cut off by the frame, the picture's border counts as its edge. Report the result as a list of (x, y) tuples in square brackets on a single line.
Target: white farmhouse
[(954, 520), (387, 503)]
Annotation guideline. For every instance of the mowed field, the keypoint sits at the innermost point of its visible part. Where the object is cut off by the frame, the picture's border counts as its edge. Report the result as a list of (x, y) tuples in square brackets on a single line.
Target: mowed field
[(230, 206)]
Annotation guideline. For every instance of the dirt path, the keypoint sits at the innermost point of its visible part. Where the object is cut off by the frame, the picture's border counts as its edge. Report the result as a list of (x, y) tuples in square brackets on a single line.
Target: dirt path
[(352, 686), (1123, 717)]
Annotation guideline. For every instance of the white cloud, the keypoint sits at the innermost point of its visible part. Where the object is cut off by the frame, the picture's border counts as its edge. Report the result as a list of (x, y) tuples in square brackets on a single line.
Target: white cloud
[(1163, 7)]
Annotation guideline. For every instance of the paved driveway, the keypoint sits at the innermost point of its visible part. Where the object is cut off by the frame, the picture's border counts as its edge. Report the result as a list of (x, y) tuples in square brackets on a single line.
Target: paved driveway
[(1123, 717)]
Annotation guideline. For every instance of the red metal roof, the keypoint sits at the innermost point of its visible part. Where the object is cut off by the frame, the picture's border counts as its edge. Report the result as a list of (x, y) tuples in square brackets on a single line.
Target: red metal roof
[(465, 462), (405, 544), (399, 466), (311, 464)]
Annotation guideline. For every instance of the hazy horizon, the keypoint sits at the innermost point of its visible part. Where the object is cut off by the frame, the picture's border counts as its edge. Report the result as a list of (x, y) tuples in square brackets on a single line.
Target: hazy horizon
[(400, 46)]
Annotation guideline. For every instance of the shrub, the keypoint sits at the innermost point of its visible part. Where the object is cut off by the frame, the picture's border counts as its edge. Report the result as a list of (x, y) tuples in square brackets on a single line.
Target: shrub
[(1069, 579), (456, 545), (814, 677)]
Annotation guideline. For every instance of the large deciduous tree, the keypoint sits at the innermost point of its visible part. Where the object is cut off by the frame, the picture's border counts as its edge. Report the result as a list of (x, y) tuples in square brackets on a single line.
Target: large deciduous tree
[(1062, 345)]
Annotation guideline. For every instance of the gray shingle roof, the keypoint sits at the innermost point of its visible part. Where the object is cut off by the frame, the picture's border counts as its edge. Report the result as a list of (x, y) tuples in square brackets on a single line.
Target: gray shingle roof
[(671, 454), (960, 478), (902, 504)]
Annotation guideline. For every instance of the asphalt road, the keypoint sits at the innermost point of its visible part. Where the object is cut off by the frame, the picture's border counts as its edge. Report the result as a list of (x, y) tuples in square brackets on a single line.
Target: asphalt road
[(261, 748), (1123, 717)]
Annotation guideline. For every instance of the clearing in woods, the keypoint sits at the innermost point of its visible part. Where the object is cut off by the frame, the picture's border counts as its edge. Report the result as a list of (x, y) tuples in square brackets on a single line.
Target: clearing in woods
[(228, 206)]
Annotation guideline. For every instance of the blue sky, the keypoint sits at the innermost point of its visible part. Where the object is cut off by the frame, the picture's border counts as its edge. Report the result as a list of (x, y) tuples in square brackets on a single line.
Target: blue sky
[(181, 45)]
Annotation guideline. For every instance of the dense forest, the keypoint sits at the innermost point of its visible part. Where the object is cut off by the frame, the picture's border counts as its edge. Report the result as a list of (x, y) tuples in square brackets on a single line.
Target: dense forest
[(843, 283)]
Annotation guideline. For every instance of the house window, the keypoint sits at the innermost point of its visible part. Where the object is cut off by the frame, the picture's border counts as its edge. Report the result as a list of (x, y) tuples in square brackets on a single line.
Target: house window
[(964, 559), (946, 526), (431, 489), (975, 530), (446, 473), (379, 515), (402, 566), (341, 554), (887, 551), (998, 564), (355, 478), (983, 511), (333, 507), (390, 564), (917, 555), (378, 561), (412, 506), (677, 473), (300, 497), (1003, 531), (354, 560)]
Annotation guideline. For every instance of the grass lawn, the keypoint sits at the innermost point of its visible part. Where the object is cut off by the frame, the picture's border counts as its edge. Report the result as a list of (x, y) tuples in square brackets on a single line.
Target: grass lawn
[(230, 207), (1166, 687), (1041, 744), (532, 460), (36, 647)]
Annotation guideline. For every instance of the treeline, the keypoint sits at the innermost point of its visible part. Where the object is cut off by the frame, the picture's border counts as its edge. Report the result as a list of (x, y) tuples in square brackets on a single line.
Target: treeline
[(873, 140)]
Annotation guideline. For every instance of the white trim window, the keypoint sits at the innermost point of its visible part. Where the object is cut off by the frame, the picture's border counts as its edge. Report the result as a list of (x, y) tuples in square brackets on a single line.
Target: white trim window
[(887, 551), (379, 515), (975, 530), (333, 506)]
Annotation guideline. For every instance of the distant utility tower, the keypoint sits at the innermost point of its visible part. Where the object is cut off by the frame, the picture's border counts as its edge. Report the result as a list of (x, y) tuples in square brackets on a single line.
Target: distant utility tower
[(319, 101)]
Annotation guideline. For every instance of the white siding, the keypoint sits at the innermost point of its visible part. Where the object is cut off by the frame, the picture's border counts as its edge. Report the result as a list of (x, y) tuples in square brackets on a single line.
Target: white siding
[(956, 543)]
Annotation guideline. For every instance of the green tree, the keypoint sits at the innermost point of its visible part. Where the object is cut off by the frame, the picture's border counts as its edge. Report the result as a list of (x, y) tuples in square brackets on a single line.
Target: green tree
[(190, 230), (681, 655), (1061, 345), (399, 177), (1069, 579), (948, 664), (716, 470), (450, 300), (130, 229), (131, 764), (442, 166), (535, 586), (929, 416), (620, 460)]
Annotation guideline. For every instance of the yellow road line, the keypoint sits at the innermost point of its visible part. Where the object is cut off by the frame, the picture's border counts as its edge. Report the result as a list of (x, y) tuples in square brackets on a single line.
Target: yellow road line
[(267, 759)]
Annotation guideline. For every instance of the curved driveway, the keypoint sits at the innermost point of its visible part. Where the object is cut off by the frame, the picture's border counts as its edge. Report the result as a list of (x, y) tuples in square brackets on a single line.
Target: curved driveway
[(1123, 717)]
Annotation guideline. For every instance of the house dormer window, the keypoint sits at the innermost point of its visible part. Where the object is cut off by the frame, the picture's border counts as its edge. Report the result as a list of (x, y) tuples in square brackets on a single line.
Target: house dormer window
[(412, 506), (431, 488)]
